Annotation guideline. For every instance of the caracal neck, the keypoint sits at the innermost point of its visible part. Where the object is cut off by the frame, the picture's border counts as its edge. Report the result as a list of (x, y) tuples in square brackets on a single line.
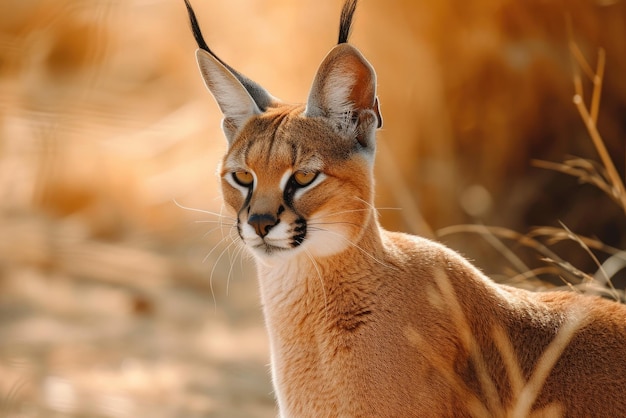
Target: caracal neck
[(305, 277)]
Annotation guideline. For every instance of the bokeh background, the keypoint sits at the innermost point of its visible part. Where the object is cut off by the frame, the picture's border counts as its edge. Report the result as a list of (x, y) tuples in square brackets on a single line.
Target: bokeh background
[(120, 297)]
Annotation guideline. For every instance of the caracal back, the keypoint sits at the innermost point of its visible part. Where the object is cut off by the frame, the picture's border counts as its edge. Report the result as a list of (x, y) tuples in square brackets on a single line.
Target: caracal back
[(369, 323)]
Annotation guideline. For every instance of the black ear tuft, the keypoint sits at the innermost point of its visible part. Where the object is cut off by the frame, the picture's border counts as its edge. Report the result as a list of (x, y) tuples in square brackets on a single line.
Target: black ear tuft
[(345, 23), (262, 98), (195, 28)]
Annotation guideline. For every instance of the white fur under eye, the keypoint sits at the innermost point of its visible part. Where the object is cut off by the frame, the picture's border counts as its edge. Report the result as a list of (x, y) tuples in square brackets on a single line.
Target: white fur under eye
[(243, 189), (302, 190), (284, 179)]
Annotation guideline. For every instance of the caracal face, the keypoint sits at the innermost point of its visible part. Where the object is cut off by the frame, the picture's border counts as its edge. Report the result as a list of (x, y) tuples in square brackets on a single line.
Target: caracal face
[(297, 184), (298, 177)]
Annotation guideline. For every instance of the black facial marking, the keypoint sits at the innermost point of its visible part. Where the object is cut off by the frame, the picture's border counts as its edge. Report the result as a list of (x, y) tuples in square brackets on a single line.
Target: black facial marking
[(245, 207), (300, 232), (246, 203), (239, 228), (290, 191)]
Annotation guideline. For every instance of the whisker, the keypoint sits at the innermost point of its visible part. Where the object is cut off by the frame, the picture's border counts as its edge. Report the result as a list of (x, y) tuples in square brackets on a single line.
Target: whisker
[(354, 245), (229, 233), (341, 212), (233, 242), (244, 254), (368, 204), (335, 223), (239, 249), (214, 221), (363, 201), (206, 257), (223, 217), (215, 247), (319, 276), (208, 212), (221, 228), (370, 207)]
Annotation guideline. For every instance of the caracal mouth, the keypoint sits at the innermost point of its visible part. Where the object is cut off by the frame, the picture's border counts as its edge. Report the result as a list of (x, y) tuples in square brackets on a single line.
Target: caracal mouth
[(267, 249)]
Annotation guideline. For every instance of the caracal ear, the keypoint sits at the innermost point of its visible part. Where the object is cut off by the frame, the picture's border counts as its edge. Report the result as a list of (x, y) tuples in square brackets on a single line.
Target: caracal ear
[(236, 104), (344, 91)]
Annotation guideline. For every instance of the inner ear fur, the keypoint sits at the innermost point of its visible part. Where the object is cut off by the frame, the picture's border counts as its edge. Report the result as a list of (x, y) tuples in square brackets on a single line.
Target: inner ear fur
[(233, 98), (344, 88)]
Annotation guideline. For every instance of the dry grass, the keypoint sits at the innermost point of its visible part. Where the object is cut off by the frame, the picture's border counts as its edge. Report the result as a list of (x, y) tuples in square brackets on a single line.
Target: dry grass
[(603, 175)]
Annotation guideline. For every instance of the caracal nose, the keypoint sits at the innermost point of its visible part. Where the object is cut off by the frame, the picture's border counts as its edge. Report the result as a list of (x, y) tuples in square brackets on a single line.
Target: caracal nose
[(262, 223)]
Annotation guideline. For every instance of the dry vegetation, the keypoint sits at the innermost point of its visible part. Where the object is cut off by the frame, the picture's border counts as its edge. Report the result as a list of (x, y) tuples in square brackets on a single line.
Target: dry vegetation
[(603, 175), (106, 308)]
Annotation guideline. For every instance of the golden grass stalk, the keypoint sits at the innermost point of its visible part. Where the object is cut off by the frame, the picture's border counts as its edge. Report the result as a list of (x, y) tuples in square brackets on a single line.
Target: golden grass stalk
[(586, 171), (602, 175), (506, 234), (608, 180)]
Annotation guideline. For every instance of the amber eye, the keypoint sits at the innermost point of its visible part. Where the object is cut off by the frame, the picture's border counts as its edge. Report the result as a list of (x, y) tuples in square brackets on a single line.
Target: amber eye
[(243, 178), (304, 178)]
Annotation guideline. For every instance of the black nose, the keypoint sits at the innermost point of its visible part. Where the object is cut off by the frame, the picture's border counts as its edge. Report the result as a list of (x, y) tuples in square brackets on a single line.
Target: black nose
[(262, 223)]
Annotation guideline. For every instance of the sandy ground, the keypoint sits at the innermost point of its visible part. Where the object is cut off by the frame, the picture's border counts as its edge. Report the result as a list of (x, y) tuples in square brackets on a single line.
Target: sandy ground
[(80, 341)]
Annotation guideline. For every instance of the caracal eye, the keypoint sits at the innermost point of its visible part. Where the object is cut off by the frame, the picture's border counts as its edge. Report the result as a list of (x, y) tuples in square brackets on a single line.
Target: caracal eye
[(243, 178), (304, 178)]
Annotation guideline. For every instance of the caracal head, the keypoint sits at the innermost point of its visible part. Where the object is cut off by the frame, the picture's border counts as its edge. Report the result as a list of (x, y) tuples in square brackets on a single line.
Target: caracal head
[(298, 177)]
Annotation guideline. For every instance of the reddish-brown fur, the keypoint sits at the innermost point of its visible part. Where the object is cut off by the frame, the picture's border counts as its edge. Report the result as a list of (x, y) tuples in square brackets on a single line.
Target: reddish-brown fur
[(369, 323)]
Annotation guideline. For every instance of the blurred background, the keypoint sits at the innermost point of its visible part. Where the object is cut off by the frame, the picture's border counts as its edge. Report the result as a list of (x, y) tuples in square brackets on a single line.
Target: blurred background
[(120, 295)]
